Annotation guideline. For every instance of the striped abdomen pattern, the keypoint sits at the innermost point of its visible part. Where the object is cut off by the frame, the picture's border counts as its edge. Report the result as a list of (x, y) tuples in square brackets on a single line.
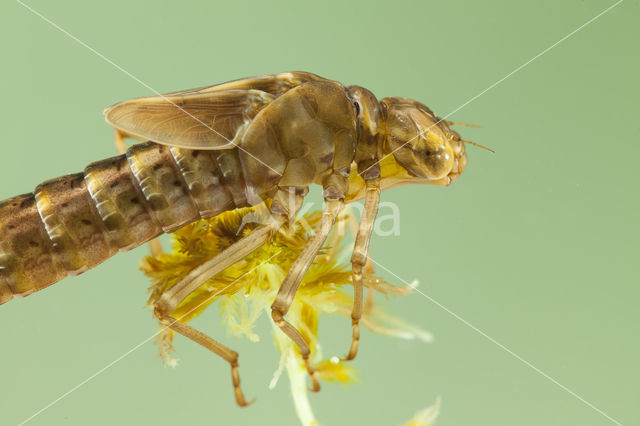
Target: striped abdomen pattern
[(74, 222)]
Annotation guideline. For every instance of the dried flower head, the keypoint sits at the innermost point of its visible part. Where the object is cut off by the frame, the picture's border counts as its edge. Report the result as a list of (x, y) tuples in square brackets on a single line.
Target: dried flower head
[(244, 296)]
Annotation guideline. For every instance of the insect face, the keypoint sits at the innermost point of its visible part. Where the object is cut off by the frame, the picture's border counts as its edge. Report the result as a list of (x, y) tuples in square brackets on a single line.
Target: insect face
[(422, 143)]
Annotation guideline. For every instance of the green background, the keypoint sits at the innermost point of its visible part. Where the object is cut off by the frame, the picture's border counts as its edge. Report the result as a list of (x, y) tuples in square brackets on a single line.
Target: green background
[(536, 245)]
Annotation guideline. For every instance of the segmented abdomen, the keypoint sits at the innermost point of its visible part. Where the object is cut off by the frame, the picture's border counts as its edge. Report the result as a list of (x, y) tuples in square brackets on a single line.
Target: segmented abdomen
[(74, 222)]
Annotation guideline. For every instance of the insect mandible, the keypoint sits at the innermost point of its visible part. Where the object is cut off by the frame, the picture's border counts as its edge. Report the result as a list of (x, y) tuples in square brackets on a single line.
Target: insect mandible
[(218, 148)]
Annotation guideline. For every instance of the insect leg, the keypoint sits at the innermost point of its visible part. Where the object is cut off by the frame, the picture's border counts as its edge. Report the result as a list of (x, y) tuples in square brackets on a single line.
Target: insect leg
[(289, 286), (217, 348), (171, 298), (121, 148), (360, 256), (198, 276)]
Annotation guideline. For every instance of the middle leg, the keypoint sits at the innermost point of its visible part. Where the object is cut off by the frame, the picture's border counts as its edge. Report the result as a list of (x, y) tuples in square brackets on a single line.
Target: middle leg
[(290, 285)]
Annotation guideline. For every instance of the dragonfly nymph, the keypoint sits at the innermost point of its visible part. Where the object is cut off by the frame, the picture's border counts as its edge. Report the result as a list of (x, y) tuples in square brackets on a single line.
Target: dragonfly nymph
[(214, 149)]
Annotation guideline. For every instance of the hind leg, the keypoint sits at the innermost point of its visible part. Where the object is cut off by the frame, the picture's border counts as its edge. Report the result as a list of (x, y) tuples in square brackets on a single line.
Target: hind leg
[(217, 348), (170, 299)]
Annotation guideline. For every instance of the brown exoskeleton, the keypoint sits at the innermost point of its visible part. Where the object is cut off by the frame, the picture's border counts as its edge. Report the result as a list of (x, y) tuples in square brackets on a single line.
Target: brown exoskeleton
[(219, 148)]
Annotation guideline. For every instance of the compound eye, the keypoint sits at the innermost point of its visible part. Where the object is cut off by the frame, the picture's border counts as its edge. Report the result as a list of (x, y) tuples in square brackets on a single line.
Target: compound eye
[(357, 105), (439, 161)]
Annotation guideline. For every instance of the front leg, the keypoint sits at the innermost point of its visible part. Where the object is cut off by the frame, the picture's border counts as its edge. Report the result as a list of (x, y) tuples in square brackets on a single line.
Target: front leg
[(359, 257)]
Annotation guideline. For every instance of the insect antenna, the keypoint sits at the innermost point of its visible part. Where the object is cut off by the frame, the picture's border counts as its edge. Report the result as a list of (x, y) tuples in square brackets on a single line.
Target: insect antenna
[(478, 145), (457, 123), (476, 126)]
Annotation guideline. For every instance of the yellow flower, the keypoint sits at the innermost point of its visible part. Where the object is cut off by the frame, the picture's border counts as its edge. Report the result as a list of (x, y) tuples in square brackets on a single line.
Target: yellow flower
[(243, 297)]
